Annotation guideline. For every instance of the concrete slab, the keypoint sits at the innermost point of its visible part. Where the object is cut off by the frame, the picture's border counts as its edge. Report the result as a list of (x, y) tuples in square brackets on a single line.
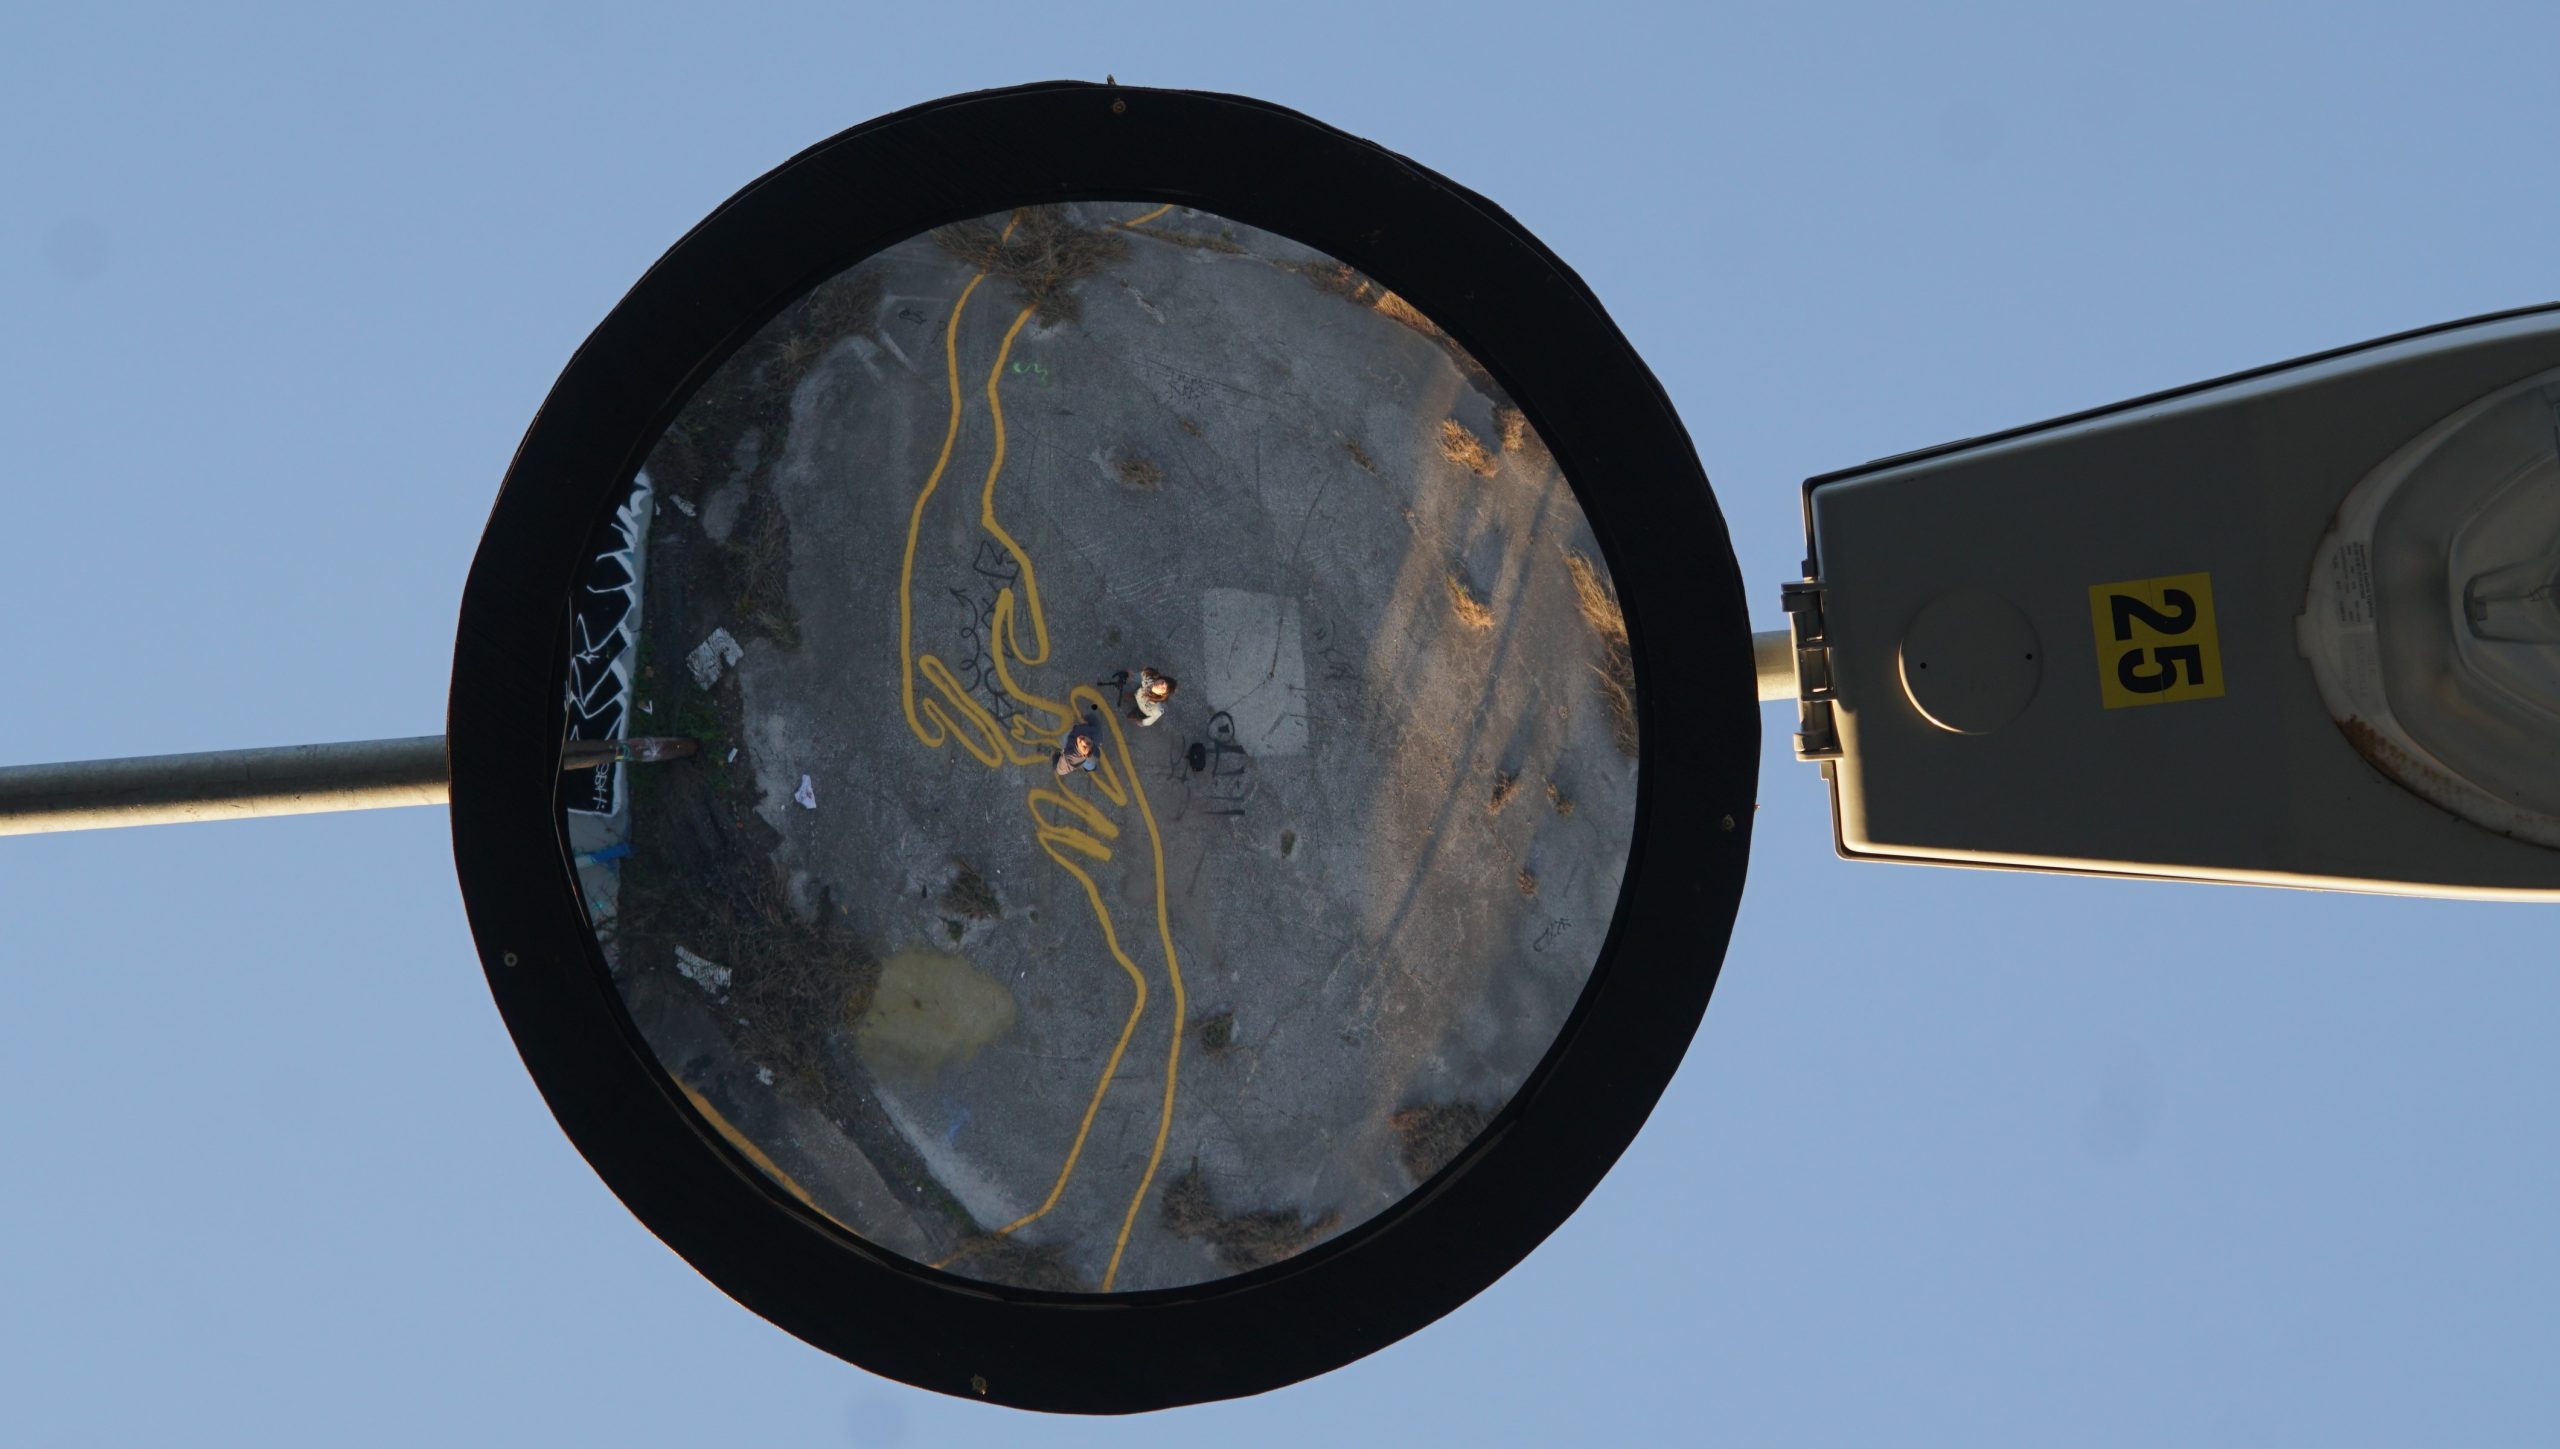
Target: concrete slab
[(1255, 664)]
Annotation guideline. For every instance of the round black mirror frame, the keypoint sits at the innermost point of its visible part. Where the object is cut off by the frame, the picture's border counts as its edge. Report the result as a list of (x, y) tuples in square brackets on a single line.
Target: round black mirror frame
[(1543, 337)]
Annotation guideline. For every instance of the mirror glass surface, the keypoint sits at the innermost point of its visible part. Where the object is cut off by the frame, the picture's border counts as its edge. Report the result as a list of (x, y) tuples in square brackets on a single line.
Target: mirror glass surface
[(1261, 952)]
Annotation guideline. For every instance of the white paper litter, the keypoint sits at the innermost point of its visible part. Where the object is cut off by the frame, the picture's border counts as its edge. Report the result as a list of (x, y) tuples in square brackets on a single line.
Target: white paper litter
[(711, 976), (683, 506), (807, 794), (705, 661)]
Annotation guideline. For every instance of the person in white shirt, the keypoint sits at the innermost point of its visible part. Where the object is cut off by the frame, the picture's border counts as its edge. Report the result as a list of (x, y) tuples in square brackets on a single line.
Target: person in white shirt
[(1146, 701)]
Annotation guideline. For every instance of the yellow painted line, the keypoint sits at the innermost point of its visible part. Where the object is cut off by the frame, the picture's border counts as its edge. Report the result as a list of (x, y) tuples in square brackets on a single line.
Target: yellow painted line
[(1001, 625), (1049, 842), (915, 523), (1150, 216), (1173, 972), (990, 754), (987, 512), (1117, 781), (1051, 836), (938, 673), (1098, 823), (749, 1150)]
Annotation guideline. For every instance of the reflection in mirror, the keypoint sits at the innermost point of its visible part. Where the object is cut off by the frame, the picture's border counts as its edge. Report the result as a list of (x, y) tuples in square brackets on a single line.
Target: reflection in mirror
[(1166, 749)]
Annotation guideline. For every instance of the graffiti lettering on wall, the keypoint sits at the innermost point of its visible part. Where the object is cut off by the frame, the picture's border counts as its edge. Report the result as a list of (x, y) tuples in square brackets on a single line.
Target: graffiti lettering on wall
[(604, 646)]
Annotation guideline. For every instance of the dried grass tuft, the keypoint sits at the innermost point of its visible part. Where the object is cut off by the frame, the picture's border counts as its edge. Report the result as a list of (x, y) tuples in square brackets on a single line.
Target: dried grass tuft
[(1464, 603), (1241, 1241), (1199, 241), (1429, 1137), (1340, 279), (1593, 596), (1517, 436), (1460, 445), (1406, 313), (1599, 606), (1043, 253)]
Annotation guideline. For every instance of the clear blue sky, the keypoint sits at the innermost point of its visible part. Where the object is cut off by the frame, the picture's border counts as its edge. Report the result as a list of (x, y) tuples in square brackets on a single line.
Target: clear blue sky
[(1957, 1159)]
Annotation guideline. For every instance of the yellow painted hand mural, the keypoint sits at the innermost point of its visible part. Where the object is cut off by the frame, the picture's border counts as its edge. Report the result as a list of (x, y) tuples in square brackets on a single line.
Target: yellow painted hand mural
[(1082, 830)]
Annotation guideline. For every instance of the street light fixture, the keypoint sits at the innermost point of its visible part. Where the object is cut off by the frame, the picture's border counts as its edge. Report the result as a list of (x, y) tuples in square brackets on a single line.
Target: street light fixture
[(2292, 627)]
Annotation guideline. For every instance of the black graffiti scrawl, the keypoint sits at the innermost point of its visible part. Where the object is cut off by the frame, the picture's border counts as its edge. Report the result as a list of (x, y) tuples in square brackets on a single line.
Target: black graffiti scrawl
[(604, 645)]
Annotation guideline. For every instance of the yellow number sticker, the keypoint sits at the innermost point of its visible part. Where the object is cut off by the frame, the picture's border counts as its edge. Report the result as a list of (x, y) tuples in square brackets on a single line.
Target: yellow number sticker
[(2156, 640)]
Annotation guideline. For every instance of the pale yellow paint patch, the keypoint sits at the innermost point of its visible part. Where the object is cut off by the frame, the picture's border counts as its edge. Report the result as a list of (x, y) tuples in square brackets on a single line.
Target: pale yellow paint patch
[(932, 1009)]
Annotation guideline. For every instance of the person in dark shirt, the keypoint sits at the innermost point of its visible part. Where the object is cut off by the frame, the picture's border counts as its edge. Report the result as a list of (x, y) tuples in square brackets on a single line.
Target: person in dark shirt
[(1082, 749)]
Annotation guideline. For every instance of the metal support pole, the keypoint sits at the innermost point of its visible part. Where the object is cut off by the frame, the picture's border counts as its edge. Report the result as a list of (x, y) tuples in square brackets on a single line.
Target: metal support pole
[(1775, 655), (223, 785)]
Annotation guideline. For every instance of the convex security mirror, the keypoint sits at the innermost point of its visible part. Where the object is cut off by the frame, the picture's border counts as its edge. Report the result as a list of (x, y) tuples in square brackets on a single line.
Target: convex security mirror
[(2293, 627), (954, 994)]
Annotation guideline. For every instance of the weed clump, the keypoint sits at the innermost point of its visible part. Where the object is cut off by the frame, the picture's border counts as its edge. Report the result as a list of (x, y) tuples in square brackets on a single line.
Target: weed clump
[(759, 551), (1430, 1137), (1218, 1032), (751, 394), (791, 982), (1042, 252), (1241, 1241), (970, 895), (827, 313), (1139, 472), (1504, 784)]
